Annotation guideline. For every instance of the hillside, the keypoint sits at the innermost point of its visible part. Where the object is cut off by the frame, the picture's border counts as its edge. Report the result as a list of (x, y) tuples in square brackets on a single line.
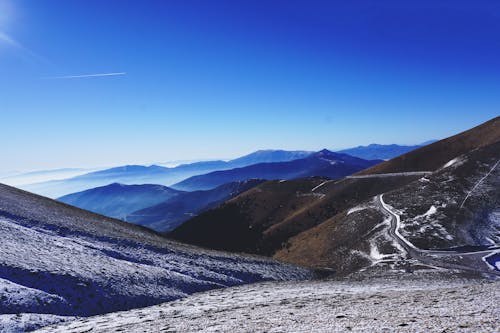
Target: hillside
[(118, 200), (346, 224), (435, 155), (59, 261), (323, 163), (262, 219), (430, 302), (172, 212), (430, 218)]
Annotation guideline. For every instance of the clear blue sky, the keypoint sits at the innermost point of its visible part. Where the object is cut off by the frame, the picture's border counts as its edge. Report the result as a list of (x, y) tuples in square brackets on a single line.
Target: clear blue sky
[(203, 79)]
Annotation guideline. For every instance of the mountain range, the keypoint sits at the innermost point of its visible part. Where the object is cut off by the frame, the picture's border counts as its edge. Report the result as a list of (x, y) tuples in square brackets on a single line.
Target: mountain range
[(323, 163), (162, 208), (154, 174), (347, 225), (431, 212), (57, 183), (154, 206), (381, 152)]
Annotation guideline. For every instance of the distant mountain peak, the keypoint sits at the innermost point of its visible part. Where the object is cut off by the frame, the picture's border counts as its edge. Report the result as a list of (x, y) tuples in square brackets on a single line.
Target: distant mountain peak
[(325, 153)]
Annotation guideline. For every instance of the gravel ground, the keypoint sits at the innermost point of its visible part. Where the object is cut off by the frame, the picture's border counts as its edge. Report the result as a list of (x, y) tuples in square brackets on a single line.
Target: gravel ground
[(419, 304)]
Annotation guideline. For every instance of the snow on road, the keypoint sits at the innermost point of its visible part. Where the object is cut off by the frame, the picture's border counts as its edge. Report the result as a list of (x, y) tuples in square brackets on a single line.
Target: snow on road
[(397, 218)]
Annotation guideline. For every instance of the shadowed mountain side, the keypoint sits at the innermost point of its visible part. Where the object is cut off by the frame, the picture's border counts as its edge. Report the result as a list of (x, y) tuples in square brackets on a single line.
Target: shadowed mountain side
[(262, 219), (435, 155), (169, 214), (60, 260), (118, 200)]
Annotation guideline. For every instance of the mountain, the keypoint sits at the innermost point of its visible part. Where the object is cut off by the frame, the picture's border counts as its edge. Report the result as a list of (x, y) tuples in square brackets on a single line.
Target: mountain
[(447, 219), (269, 156), (378, 152), (154, 174), (433, 156), (118, 200), (323, 163), (262, 219), (129, 174), (172, 212), (58, 261), (406, 220)]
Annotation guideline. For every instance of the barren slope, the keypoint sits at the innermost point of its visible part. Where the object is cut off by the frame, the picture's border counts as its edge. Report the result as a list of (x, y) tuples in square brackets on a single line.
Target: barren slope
[(435, 155)]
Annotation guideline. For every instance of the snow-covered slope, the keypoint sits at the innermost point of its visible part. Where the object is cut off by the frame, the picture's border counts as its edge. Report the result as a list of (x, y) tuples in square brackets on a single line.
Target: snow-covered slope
[(59, 260), (423, 303)]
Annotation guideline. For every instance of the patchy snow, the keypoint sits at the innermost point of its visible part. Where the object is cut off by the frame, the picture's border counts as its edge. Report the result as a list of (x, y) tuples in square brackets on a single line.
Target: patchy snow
[(450, 163), (376, 255), (77, 274), (320, 185), (397, 215), (357, 209), (479, 182), (432, 210), (425, 305), (26, 322), (57, 260)]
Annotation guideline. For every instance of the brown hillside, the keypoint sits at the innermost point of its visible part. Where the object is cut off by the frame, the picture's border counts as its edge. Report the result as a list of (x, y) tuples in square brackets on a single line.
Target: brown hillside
[(305, 221), (263, 219), (344, 241), (434, 156)]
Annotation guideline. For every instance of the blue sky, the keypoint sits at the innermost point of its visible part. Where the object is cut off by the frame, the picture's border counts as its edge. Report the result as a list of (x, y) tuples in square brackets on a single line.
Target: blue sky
[(218, 79)]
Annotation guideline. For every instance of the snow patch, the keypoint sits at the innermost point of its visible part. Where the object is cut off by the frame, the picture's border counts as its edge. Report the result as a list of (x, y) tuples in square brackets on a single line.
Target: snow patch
[(450, 163), (357, 209)]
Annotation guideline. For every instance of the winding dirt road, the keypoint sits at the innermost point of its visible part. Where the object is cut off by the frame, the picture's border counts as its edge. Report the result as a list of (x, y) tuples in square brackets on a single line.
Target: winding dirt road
[(431, 257)]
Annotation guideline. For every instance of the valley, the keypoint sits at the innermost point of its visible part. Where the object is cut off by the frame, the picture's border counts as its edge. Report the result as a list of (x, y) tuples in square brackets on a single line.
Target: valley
[(379, 233)]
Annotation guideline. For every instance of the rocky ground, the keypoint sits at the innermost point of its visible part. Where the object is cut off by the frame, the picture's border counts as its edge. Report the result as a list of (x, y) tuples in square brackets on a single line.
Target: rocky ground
[(419, 302)]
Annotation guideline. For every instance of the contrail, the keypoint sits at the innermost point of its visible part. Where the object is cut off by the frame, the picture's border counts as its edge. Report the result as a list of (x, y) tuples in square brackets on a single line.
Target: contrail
[(86, 75)]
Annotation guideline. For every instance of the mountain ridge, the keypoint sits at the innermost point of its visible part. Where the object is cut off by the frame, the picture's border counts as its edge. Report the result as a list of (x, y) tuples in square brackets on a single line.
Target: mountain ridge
[(322, 163)]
